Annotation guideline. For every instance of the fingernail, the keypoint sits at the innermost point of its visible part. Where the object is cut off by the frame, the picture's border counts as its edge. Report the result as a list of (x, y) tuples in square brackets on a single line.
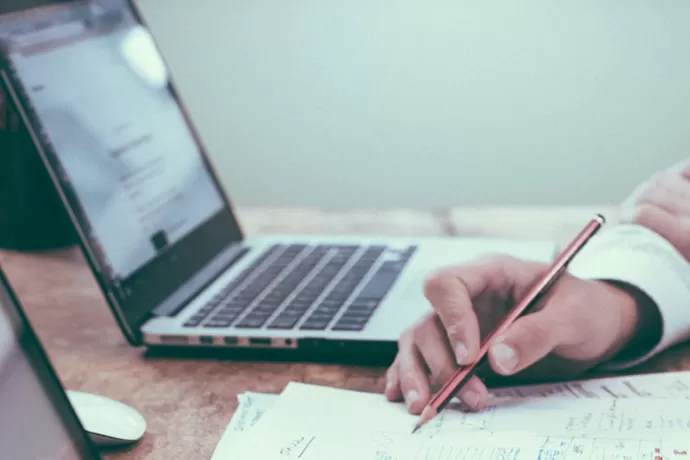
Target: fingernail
[(471, 399), (389, 383), (505, 356), (411, 398), (460, 352)]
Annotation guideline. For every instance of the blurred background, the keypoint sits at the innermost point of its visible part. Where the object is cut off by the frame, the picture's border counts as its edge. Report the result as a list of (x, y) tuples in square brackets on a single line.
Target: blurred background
[(410, 103)]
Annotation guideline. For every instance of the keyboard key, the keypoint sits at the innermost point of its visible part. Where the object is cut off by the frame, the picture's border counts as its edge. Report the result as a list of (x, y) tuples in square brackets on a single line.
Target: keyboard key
[(294, 311), (315, 325), (283, 323), (218, 323), (254, 320), (362, 307), (224, 317), (349, 325), (378, 286), (407, 255), (286, 318), (322, 316), (330, 305)]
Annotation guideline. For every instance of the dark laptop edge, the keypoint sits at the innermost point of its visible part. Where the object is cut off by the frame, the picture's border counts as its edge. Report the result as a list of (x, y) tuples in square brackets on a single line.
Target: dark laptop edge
[(40, 363)]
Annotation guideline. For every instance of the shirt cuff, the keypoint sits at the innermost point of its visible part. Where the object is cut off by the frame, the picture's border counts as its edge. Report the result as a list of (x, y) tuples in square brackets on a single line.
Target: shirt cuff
[(637, 256)]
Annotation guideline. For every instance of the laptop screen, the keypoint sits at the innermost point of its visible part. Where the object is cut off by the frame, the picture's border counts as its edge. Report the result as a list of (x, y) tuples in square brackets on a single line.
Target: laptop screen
[(36, 420), (127, 159)]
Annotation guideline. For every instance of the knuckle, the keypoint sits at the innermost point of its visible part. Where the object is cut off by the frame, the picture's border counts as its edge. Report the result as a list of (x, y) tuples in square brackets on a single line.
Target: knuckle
[(643, 214), (497, 259), (417, 331), (498, 265), (443, 374), (440, 283), (455, 330), (423, 329), (405, 340), (536, 332), (392, 372), (407, 376), (494, 264), (649, 190), (419, 334)]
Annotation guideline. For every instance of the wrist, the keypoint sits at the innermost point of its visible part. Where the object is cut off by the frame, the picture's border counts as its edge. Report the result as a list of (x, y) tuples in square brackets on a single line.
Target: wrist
[(640, 322)]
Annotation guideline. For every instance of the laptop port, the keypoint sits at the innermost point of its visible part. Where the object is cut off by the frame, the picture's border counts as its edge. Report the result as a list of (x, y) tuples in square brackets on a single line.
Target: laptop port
[(259, 341), (231, 340), (206, 340), (174, 339)]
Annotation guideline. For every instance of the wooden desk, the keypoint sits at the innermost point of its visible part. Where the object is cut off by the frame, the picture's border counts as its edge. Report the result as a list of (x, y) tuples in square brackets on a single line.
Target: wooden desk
[(188, 403)]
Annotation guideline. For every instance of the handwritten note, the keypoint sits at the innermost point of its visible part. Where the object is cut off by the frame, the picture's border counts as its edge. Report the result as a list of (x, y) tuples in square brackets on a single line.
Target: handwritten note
[(318, 443), (669, 385), (251, 406), (286, 440)]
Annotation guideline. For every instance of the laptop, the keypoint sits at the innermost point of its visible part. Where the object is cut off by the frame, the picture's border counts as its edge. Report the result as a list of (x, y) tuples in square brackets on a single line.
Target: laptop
[(158, 228), (37, 421)]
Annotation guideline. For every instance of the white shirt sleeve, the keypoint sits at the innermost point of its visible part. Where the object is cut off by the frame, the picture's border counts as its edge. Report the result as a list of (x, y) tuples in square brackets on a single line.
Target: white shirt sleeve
[(637, 256)]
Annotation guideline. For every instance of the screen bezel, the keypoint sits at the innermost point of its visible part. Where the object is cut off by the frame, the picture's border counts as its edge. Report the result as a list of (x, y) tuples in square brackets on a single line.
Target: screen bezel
[(45, 372), (130, 316)]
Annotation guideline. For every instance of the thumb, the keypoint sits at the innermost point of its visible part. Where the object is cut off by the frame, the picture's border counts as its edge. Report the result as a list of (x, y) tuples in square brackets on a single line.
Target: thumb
[(527, 341)]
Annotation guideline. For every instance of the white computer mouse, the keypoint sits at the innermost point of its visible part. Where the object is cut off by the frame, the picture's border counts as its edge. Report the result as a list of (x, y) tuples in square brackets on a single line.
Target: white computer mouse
[(108, 422)]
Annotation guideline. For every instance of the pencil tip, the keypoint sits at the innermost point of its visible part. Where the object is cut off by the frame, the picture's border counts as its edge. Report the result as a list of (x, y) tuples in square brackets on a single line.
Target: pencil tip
[(427, 414)]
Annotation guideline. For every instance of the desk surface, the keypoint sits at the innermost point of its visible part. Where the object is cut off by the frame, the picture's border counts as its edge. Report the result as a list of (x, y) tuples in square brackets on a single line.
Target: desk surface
[(187, 402)]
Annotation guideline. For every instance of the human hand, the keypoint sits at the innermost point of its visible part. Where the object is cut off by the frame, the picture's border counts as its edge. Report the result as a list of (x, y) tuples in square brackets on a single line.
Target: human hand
[(662, 204), (579, 324)]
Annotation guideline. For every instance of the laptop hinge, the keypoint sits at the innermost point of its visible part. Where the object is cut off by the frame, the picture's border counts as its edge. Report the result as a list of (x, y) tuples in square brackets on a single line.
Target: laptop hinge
[(174, 303)]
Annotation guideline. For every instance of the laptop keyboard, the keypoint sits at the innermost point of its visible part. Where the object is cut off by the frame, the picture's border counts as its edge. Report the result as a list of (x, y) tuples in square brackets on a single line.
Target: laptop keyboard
[(288, 281)]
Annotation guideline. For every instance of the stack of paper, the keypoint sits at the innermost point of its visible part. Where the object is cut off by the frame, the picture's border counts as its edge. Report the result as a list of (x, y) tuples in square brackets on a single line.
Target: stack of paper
[(639, 417)]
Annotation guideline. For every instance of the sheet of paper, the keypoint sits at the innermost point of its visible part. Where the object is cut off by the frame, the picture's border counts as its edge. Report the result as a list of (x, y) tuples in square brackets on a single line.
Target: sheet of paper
[(641, 418), (249, 410), (309, 422), (671, 385)]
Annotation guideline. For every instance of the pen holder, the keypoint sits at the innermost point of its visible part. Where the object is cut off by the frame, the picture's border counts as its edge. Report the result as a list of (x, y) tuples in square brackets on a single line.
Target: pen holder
[(32, 217)]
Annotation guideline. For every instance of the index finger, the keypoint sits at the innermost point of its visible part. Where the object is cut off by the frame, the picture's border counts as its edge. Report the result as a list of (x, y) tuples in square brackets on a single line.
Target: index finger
[(451, 300)]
